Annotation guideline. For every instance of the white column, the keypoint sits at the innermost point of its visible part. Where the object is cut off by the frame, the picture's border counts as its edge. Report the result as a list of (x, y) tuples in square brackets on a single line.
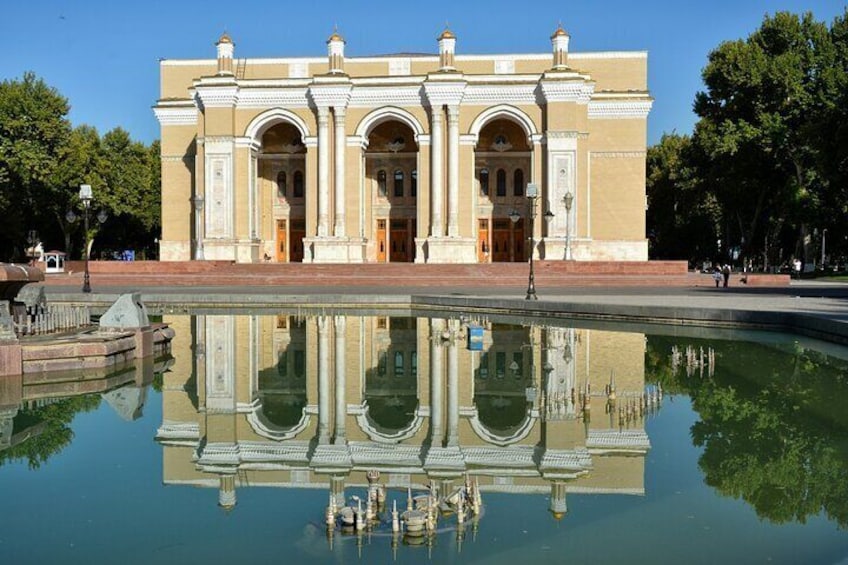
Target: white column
[(341, 368), (323, 170), (251, 195), (323, 382), (339, 198), (436, 226), (436, 429), (453, 171), (453, 392)]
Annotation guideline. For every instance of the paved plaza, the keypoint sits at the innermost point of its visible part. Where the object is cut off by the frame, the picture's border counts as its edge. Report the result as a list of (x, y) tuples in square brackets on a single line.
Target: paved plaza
[(812, 308)]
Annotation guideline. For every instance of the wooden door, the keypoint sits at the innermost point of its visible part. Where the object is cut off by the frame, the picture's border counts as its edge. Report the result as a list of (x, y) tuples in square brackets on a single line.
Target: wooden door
[(483, 241), (282, 256), (381, 241), (298, 232), (399, 242), (501, 243), (519, 244)]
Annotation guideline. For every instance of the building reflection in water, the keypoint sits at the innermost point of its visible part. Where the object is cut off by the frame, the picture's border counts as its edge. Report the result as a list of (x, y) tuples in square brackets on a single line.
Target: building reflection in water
[(320, 402)]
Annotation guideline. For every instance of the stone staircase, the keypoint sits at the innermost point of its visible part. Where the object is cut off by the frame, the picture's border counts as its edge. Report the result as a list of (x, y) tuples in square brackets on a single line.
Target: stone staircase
[(225, 273)]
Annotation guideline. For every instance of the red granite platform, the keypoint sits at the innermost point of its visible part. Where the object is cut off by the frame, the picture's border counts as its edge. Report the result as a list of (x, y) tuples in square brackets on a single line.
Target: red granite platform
[(550, 273)]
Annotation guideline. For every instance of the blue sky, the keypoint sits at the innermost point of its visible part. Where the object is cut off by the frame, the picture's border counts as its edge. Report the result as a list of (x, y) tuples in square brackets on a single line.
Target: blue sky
[(103, 55)]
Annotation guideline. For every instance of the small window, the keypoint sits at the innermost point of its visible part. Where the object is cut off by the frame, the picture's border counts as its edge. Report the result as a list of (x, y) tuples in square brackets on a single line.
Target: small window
[(413, 184), (398, 183), (281, 184), (381, 183), (501, 180), (484, 182), (500, 364), (413, 362), (518, 183), (298, 184), (398, 363)]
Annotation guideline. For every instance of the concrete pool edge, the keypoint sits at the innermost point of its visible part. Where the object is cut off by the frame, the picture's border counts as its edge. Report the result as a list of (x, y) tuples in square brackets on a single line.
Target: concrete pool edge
[(815, 323)]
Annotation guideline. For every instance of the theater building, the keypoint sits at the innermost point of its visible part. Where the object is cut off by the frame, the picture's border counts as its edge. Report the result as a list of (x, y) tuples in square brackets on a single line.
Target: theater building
[(444, 158)]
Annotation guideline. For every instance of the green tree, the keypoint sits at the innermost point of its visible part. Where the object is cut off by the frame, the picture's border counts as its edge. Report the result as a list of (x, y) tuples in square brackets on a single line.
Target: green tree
[(756, 138), (33, 129), (131, 192), (80, 163), (681, 218)]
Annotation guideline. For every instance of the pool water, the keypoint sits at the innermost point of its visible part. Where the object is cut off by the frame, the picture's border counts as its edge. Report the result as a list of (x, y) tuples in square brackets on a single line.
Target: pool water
[(587, 444)]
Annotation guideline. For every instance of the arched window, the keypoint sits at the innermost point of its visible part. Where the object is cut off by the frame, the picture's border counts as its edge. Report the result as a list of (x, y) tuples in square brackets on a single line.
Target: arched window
[(501, 180), (413, 183), (381, 183), (298, 184), (484, 182), (398, 183), (518, 183), (281, 184)]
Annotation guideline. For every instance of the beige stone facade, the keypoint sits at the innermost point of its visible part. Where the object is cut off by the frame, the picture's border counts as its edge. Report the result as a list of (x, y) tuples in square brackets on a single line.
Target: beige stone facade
[(319, 401), (404, 158)]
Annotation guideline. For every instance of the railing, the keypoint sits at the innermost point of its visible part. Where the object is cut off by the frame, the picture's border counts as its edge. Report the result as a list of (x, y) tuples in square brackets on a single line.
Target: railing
[(58, 318)]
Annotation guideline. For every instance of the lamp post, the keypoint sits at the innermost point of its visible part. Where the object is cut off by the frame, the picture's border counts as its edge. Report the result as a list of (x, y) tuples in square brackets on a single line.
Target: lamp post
[(824, 236), (86, 196), (197, 199), (568, 200), (532, 194)]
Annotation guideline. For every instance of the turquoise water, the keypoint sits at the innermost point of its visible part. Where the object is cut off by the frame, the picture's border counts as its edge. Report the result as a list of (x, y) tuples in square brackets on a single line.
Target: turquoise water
[(746, 465)]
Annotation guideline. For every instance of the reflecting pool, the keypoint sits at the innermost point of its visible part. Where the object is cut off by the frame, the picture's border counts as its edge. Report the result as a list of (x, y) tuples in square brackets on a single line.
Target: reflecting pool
[(292, 438)]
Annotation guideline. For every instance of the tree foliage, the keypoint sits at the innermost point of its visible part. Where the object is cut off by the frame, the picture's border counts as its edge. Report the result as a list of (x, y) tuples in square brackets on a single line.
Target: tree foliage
[(52, 425), (770, 149), (33, 131), (43, 162), (772, 425)]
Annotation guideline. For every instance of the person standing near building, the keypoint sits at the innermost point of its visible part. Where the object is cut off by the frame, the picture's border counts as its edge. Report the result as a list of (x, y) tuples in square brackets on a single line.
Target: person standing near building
[(725, 271)]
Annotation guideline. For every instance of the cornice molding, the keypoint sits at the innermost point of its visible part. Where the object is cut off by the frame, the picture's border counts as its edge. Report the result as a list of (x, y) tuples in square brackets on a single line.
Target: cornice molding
[(619, 109), (618, 154), (366, 97), (579, 91), (176, 115), (521, 94), (216, 96), (327, 95), (438, 93), (270, 97)]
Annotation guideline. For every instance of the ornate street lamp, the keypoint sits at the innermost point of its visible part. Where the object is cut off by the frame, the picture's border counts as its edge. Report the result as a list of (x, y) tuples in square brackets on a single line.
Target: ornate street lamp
[(86, 196), (532, 193), (568, 200)]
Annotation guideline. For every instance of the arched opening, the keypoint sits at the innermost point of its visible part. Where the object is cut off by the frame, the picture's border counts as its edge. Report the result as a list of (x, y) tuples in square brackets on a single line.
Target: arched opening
[(281, 168), (503, 151), (281, 386), (501, 381), (391, 179), (391, 384)]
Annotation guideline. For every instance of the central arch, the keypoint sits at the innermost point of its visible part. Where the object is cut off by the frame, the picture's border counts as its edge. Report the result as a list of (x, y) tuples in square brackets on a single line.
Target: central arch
[(279, 191), (390, 166)]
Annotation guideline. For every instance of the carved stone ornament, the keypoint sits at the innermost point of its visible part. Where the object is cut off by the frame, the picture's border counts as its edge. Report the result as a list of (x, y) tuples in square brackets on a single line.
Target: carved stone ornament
[(501, 144), (397, 145)]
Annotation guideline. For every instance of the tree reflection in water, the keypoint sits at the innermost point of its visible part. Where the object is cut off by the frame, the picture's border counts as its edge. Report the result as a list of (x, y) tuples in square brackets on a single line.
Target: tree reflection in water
[(44, 431), (773, 425)]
